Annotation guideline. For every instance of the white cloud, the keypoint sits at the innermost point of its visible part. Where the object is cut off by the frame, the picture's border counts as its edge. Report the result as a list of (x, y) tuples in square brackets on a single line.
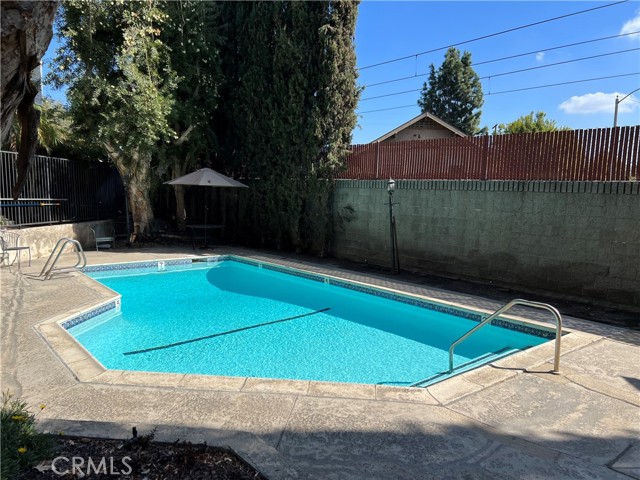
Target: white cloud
[(632, 25), (539, 56), (598, 103)]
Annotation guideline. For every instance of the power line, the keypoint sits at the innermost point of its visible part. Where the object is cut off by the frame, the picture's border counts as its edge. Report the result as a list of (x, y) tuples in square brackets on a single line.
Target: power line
[(561, 83), (511, 57), (556, 48), (385, 109), (413, 90), (492, 35), (514, 71), (518, 90), (560, 63)]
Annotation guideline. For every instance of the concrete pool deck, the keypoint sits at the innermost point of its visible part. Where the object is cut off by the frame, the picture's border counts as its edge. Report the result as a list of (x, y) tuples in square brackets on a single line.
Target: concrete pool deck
[(511, 419)]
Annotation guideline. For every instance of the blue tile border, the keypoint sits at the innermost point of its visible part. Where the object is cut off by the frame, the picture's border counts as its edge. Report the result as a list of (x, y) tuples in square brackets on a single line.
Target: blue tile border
[(179, 261), (94, 312), (136, 265), (371, 290)]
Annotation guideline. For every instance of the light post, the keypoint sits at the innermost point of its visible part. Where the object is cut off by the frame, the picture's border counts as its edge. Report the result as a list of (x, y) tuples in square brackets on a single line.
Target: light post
[(615, 112), (391, 186)]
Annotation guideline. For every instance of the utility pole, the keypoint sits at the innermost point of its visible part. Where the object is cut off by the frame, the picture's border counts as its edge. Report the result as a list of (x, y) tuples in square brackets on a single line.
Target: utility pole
[(615, 111)]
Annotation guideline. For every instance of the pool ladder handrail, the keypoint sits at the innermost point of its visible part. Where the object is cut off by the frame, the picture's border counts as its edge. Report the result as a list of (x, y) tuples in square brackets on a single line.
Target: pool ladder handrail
[(59, 248), (500, 311)]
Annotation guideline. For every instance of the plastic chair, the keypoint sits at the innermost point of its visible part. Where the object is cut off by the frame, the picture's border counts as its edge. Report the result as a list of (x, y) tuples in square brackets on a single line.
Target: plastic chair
[(104, 235), (10, 242)]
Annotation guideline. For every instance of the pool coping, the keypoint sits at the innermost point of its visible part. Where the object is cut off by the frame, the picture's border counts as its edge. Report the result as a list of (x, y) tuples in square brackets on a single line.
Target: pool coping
[(86, 369)]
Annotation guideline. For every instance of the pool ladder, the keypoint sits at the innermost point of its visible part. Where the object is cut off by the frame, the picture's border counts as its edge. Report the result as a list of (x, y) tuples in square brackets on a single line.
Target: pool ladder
[(49, 268), (493, 316)]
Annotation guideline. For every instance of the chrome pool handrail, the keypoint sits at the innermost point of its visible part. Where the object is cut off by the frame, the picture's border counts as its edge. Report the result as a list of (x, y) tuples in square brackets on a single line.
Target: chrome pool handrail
[(59, 248), (500, 311)]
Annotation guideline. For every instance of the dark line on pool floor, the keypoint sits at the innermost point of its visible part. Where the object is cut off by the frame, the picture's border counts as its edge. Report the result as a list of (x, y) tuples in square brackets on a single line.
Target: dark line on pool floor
[(193, 340)]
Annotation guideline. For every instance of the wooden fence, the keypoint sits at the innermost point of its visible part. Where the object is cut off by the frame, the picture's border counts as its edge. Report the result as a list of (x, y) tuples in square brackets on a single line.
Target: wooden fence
[(590, 155)]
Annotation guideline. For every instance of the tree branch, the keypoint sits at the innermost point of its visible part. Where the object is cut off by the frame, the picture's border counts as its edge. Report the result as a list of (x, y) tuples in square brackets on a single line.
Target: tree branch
[(185, 135)]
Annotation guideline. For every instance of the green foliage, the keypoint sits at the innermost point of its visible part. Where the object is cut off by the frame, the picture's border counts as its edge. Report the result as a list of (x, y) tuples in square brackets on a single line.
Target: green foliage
[(120, 84), (531, 123), (264, 91), (22, 445), (55, 125), (288, 113), (121, 87), (454, 92), (191, 34), (53, 131)]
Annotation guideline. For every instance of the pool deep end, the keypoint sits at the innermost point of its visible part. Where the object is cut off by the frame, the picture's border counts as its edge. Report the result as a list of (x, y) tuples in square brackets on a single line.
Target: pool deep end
[(235, 318)]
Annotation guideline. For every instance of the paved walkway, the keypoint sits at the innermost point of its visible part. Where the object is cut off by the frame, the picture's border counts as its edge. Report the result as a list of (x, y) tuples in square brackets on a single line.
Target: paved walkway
[(510, 420)]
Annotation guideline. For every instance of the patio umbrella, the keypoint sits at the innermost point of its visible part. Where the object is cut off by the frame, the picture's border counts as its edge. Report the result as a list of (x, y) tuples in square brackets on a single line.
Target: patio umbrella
[(206, 177)]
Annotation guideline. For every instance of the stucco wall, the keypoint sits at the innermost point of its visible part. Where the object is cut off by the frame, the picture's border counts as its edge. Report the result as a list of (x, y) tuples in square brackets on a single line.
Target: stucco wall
[(575, 238), (43, 239)]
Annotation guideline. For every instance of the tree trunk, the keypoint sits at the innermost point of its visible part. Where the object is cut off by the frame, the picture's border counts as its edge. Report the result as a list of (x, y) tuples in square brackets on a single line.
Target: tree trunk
[(181, 212), (136, 174), (178, 170), (139, 201), (27, 28), (29, 121)]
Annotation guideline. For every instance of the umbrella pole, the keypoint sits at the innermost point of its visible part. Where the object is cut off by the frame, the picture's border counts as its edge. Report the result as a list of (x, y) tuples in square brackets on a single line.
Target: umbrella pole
[(206, 211)]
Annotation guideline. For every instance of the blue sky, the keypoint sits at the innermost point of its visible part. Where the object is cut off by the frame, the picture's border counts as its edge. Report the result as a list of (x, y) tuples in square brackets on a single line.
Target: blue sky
[(390, 29)]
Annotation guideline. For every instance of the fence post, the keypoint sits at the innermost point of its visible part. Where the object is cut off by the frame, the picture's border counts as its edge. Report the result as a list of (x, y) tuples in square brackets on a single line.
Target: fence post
[(614, 150)]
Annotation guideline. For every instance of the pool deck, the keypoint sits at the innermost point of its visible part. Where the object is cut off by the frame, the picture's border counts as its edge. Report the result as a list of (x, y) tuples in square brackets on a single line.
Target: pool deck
[(512, 419)]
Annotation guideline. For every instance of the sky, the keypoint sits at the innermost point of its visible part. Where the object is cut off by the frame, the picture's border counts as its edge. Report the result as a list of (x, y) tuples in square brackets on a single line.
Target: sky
[(387, 30)]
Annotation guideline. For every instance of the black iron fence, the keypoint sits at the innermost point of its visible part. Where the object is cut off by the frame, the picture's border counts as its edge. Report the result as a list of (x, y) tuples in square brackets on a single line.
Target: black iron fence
[(59, 190)]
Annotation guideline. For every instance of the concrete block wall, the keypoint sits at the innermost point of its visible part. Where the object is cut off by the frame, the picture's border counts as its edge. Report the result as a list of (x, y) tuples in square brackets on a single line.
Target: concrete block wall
[(573, 238), (42, 239)]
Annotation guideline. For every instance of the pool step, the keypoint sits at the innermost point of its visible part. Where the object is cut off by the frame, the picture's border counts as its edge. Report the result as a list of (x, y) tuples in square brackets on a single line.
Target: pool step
[(465, 367)]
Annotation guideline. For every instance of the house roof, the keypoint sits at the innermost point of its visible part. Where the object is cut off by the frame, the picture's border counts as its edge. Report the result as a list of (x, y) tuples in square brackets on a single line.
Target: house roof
[(417, 119)]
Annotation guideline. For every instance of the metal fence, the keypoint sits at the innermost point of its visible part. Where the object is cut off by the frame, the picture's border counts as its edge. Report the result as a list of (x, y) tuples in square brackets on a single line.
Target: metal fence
[(59, 190), (603, 154)]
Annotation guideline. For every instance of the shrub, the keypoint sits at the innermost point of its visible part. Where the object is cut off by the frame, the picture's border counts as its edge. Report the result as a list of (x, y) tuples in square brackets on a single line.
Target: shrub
[(22, 445)]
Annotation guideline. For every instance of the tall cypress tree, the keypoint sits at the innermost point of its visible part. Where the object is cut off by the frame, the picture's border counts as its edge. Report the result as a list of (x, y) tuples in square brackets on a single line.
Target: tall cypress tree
[(454, 92), (336, 98), (290, 96)]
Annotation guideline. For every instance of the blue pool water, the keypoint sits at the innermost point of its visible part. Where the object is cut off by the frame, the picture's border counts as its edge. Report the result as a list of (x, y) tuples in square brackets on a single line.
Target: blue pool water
[(361, 338)]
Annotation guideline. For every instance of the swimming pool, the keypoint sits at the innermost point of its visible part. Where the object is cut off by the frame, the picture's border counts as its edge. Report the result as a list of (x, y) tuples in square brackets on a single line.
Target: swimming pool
[(237, 317)]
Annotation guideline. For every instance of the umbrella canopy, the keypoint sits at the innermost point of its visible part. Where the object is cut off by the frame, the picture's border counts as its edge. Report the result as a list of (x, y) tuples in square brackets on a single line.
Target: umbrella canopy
[(205, 177)]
